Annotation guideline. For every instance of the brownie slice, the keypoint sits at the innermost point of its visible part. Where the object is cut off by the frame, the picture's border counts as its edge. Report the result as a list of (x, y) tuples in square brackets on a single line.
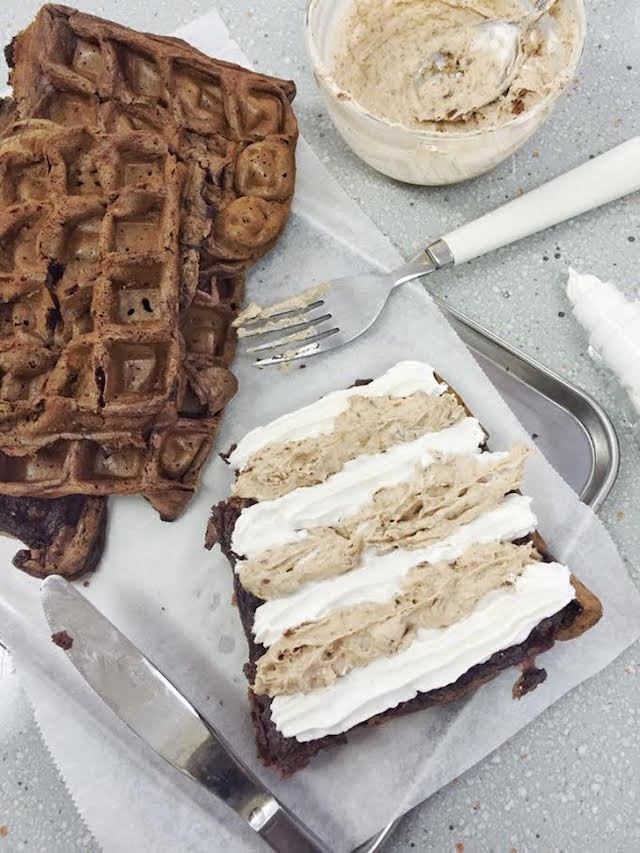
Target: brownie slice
[(289, 755)]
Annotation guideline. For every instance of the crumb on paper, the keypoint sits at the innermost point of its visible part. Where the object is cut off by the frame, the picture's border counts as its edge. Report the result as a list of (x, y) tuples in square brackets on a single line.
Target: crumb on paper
[(459, 847), (227, 453), (62, 639), (531, 677), (4, 831), (620, 515)]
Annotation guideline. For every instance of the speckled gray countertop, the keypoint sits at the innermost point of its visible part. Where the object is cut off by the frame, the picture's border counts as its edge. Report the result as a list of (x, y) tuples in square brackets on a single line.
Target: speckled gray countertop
[(571, 780)]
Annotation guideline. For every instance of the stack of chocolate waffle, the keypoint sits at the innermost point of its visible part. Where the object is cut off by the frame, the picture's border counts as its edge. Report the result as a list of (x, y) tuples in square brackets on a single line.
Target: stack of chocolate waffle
[(139, 179)]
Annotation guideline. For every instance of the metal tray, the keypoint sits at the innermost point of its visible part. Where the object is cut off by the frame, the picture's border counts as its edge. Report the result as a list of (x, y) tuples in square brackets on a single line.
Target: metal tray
[(570, 428)]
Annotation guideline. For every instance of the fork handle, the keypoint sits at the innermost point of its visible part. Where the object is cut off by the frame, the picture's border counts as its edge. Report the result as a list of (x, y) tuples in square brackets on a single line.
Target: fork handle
[(596, 182)]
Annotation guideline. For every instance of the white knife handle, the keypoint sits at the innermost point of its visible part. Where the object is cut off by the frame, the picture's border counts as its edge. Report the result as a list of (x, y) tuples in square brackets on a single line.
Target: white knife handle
[(599, 181)]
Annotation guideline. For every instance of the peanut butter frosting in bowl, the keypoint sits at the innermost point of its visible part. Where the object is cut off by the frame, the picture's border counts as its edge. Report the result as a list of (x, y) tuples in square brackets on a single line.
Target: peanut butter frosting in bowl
[(366, 57)]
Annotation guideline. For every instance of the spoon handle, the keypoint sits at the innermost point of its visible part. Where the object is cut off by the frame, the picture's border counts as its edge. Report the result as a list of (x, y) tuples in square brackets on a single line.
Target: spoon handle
[(599, 181)]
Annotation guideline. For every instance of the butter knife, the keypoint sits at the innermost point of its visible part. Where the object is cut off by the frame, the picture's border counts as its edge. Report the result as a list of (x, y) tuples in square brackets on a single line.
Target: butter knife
[(158, 713)]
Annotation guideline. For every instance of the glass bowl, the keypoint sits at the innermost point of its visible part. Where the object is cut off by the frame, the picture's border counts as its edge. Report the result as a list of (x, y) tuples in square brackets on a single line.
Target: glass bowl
[(416, 156)]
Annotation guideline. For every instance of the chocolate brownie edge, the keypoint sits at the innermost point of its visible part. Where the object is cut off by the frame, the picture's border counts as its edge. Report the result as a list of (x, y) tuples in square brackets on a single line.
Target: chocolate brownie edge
[(63, 535)]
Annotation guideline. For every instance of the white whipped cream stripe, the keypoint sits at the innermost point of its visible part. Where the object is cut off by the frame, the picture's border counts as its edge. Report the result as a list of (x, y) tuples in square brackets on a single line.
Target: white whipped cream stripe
[(613, 325), (402, 380), (286, 519), (380, 576), (436, 658)]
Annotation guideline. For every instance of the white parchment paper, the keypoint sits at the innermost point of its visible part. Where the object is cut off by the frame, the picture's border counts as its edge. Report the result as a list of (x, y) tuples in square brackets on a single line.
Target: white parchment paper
[(172, 598)]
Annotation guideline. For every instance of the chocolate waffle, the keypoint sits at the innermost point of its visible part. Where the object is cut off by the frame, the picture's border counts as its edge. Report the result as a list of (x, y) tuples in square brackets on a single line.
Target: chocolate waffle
[(78, 70), (138, 181), (90, 285), (165, 464), (91, 347)]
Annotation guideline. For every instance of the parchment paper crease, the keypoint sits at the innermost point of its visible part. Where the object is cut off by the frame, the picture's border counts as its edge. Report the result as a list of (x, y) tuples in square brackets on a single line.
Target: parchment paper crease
[(173, 599)]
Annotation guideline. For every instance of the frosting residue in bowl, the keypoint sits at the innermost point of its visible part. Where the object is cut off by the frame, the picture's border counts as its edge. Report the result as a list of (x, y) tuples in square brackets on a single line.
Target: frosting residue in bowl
[(379, 46)]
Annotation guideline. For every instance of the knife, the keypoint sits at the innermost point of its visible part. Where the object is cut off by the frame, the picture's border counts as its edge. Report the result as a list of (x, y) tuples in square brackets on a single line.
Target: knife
[(158, 713)]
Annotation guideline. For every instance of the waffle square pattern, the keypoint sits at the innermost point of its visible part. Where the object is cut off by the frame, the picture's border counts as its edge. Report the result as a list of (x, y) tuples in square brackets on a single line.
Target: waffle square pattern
[(139, 179)]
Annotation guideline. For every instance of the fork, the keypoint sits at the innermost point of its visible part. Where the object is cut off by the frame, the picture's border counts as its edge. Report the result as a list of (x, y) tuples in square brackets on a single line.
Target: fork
[(339, 311)]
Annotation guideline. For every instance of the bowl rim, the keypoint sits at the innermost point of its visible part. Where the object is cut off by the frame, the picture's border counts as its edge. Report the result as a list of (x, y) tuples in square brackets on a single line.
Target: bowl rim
[(325, 81)]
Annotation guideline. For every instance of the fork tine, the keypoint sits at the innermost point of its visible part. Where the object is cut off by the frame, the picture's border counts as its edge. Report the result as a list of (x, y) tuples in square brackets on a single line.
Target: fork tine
[(330, 340), (266, 317), (297, 337), (270, 329)]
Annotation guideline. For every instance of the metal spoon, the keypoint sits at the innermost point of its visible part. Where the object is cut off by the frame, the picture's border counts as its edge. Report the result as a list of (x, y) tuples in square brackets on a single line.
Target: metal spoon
[(470, 67)]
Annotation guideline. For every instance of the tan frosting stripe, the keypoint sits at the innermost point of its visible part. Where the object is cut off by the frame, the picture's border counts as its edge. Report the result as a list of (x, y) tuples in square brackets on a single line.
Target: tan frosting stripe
[(453, 491), (433, 596), (368, 425)]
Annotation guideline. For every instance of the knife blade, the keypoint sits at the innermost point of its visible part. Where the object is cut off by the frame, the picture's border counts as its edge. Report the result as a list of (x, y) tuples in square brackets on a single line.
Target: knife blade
[(161, 716)]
